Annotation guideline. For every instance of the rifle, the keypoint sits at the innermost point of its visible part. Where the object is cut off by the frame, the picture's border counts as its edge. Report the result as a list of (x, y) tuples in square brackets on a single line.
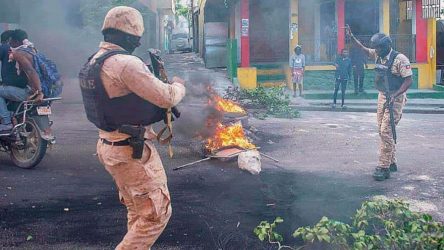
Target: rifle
[(388, 104), (158, 69)]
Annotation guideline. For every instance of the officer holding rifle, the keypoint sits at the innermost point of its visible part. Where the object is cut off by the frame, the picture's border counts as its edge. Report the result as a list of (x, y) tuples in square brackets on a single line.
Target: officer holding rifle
[(393, 77), (122, 98)]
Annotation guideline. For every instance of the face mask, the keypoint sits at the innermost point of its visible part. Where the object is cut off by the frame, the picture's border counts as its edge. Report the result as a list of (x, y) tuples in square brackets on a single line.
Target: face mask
[(132, 42), (383, 51)]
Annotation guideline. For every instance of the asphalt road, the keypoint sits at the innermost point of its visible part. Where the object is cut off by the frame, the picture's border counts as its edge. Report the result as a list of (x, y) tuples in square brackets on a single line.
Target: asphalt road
[(70, 202)]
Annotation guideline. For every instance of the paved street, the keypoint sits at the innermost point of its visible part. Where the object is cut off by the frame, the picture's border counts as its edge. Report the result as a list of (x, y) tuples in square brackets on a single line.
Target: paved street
[(70, 202)]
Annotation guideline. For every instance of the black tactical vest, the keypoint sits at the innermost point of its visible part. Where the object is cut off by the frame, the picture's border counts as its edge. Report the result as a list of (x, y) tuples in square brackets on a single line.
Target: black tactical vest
[(110, 114), (383, 72)]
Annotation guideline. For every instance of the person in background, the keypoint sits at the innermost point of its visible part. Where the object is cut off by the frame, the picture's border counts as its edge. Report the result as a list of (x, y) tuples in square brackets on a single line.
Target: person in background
[(359, 63), (297, 65), (343, 74)]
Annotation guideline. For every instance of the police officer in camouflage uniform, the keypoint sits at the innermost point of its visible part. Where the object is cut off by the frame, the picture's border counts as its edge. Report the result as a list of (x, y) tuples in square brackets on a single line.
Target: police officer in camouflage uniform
[(392, 85), (123, 99)]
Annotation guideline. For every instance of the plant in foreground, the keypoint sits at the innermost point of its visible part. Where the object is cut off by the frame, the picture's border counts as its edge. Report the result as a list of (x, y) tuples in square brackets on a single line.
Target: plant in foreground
[(378, 224)]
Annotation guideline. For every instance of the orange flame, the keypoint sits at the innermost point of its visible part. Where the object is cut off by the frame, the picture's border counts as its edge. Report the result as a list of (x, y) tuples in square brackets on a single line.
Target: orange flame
[(224, 105), (228, 136)]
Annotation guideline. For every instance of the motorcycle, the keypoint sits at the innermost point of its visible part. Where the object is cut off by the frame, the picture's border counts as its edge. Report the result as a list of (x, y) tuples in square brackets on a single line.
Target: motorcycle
[(31, 135)]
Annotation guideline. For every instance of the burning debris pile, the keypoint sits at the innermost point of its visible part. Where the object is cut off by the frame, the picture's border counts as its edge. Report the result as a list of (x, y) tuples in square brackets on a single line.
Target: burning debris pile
[(225, 125), (225, 137)]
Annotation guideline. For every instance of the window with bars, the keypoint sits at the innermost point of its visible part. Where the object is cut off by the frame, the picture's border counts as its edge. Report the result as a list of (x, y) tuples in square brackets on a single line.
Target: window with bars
[(431, 8), (409, 10)]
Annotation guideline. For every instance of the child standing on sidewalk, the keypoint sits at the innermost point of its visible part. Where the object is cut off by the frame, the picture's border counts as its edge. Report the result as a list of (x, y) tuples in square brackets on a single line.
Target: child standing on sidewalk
[(297, 66), (343, 74)]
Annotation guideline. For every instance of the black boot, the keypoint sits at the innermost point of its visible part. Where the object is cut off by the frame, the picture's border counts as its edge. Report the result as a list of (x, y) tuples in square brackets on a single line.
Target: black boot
[(381, 174), (393, 167)]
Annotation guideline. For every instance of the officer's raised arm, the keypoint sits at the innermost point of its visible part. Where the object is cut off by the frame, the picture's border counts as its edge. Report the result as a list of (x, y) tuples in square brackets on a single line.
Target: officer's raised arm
[(368, 51), (139, 80)]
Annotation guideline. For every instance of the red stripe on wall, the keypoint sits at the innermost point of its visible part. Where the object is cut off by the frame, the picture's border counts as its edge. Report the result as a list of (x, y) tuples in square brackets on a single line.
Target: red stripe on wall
[(340, 10), (245, 39), (421, 34)]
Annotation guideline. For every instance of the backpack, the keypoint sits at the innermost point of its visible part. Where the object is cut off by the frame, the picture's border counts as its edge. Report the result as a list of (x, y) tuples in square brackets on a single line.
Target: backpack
[(50, 81)]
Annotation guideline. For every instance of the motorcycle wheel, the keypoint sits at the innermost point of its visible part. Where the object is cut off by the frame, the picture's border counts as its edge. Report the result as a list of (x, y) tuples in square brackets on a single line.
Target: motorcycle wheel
[(33, 147)]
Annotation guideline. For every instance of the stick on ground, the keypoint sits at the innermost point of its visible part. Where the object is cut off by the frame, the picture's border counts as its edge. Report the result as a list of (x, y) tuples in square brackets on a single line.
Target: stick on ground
[(269, 157), (192, 163)]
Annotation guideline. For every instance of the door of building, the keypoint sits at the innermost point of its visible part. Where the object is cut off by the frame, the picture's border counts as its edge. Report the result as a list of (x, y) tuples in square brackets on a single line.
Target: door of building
[(269, 31), (363, 17)]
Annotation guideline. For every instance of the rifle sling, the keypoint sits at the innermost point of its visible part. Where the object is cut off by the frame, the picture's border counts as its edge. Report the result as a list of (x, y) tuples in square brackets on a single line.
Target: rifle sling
[(167, 139)]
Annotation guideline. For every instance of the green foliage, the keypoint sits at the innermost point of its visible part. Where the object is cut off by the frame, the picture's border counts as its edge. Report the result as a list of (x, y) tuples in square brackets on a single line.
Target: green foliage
[(265, 231), (378, 224), (182, 10), (274, 100)]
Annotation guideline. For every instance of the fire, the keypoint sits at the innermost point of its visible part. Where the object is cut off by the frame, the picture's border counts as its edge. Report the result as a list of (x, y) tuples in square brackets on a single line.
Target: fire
[(225, 135), (228, 136), (224, 105)]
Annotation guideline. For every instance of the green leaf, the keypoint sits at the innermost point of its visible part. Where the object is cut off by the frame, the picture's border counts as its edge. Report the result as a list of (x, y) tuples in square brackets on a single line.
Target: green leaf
[(309, 237), (427, 217), (29, 238), (278, 220), (261, 237), (324, 219), (298, 232), (326, 238)]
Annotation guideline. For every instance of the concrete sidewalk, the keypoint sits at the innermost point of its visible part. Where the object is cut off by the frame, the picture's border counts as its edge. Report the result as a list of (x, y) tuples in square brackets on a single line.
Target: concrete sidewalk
[(191, 67), (419, 106)]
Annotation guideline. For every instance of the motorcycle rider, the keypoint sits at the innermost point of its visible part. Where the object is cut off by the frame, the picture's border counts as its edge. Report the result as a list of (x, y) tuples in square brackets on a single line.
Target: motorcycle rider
[(141, 180), (18, 90)]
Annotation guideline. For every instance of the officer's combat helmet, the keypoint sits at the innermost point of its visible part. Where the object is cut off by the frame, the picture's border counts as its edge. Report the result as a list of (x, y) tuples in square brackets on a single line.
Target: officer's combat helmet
[(382, 43), (380, 39), (125, 19)]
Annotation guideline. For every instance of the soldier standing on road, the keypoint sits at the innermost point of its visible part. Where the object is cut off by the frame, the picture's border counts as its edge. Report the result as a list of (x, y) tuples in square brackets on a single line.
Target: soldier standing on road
[(122, 98), (392, 85)]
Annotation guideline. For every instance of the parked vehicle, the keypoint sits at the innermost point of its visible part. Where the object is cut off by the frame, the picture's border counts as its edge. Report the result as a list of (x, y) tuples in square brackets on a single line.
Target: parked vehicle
[(28, 140), (180, 42)]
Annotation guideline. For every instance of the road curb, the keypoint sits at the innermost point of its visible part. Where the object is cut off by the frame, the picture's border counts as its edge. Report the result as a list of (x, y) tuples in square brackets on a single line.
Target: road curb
[(365, 109)]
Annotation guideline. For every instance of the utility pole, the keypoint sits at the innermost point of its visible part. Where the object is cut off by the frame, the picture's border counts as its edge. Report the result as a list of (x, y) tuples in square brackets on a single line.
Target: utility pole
[(191, 24)]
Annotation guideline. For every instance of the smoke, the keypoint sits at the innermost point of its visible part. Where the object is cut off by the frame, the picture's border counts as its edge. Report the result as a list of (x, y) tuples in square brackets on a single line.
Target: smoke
[(196, 118), (55, 29)]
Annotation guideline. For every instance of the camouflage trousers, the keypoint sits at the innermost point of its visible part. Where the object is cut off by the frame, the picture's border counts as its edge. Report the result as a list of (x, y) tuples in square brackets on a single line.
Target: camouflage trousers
[(142, 186), (387, 148)]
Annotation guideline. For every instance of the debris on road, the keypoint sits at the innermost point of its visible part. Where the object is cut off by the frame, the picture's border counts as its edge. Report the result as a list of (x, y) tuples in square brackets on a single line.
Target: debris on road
[(250, 161)]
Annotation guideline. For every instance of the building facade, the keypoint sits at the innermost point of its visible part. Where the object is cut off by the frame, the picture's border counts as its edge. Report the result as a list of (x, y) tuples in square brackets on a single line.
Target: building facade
[(266, 32)]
